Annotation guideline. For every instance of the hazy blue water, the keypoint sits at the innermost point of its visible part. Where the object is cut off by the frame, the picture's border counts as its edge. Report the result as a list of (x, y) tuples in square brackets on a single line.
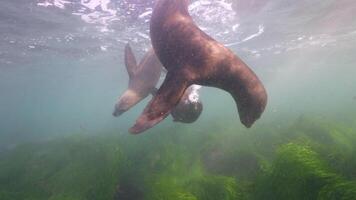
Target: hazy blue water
[(61, 66)]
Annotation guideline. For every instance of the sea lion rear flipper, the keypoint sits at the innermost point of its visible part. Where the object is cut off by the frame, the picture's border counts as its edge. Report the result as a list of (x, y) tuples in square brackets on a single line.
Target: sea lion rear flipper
[(168, 95), (130, 60)]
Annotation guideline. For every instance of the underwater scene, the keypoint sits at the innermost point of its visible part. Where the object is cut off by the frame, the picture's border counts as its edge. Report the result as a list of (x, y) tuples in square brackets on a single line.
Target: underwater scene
[(177, 100)]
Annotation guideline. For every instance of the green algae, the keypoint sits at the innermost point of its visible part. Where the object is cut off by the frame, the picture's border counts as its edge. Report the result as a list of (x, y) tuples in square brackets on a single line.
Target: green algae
[(338, 190), (215, 187), (73, 168), (310, 158), (297, 173)]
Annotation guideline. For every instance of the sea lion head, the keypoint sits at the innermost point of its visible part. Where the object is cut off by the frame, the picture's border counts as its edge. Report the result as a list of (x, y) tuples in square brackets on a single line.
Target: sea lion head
[(126, 101), (187, 112), (189, 107)]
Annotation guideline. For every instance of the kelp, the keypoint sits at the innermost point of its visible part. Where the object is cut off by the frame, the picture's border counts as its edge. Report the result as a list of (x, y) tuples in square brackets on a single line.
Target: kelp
[(297, 173), (78, 167), (214, 187), (205, 187), (310, 158), (338, 190)]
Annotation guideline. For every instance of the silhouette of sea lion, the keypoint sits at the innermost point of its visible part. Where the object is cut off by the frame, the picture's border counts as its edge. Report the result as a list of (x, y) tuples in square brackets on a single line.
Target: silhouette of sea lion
[(192, 57), (142, 79), (189, 107), (142, 82)]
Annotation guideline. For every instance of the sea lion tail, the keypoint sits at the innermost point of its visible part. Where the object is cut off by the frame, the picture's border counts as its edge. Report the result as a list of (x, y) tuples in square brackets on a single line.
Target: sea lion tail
[(168, 96)]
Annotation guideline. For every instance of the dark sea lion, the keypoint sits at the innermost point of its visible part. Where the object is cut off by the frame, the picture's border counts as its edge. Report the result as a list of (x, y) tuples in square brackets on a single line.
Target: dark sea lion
[(189, 107), (192, 57), (142, 79)]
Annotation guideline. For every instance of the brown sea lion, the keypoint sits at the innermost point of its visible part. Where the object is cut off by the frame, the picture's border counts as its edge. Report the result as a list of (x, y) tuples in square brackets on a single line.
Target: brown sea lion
[(192, 57), (142, 82), (142, 79)]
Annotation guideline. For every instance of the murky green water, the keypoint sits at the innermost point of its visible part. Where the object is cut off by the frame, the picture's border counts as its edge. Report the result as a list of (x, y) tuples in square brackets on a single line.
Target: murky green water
[(62, 70)]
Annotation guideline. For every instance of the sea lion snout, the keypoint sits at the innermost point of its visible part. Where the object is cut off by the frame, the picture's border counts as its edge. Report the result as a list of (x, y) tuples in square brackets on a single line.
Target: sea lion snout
[(247, 120), (251, 109), (118, 111), (127, 100)]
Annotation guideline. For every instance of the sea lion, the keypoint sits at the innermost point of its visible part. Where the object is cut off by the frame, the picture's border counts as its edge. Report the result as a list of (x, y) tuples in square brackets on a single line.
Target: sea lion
[(192, 57), (142, 82), (189, 107), (142, 79)]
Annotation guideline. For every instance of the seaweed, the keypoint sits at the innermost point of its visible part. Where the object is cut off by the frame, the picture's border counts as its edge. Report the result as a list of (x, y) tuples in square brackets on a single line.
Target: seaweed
[(297, 173), (310, 158), (74, 168), (338, 190), (215, 187)]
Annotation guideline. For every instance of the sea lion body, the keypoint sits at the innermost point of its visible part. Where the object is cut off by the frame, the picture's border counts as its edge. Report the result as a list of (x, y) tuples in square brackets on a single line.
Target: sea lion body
[(192, 57), (147, 75), (142, 79)]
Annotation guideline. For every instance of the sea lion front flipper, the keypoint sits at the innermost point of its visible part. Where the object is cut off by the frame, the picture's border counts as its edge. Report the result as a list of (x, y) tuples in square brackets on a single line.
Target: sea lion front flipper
[(130, 61), (168, 96)]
